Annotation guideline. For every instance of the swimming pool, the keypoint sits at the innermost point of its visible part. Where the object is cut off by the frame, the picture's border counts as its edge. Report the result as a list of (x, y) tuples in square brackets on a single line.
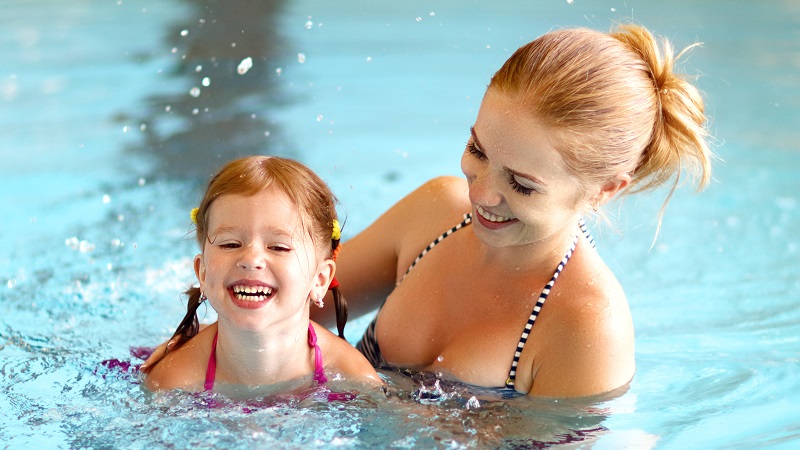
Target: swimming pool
[(115, 112)]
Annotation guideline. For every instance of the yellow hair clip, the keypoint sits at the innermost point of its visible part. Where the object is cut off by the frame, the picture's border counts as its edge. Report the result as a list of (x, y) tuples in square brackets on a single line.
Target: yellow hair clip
[(337, 231), (193, 215)]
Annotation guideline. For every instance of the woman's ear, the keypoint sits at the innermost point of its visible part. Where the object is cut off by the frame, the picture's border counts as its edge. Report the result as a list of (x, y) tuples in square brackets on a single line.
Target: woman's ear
[(611, 188)]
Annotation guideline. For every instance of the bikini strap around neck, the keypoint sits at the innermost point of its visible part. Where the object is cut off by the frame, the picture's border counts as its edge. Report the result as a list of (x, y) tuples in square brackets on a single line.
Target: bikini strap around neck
[(319, 367)]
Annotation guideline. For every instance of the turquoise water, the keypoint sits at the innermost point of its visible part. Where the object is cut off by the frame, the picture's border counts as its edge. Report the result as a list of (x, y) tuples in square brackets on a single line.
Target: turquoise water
[(105, 144)]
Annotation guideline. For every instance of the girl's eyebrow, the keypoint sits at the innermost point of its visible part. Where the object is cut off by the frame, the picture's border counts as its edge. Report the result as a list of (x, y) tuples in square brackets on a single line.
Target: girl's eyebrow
[(511, 171), (277, 231)]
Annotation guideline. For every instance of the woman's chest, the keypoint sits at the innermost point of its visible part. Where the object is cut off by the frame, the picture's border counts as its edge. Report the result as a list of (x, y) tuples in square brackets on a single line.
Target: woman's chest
[(453, 315)]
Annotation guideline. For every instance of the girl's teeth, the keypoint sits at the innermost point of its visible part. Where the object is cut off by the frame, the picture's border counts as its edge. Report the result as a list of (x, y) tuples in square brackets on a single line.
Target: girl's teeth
[(252, 293)]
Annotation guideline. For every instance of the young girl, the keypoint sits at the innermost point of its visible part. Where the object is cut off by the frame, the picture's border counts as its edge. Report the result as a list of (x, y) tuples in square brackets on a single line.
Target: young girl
[(269, 237)]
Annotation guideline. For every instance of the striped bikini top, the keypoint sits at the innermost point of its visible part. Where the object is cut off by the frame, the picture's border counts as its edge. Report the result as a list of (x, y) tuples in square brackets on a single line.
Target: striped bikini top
[(369, 343)]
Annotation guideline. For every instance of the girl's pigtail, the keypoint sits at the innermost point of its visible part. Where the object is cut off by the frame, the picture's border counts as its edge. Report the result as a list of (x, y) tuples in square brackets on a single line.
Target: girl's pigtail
[(339, 302), (189, 326)]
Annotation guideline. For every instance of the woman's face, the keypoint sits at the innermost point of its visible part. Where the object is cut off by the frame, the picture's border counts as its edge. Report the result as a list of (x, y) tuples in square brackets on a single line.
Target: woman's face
[(520, 190), (258, 266)]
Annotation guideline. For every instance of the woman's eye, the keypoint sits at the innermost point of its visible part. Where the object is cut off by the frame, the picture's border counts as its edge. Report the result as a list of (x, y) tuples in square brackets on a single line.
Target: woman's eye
[(524, 190), (473, 150)]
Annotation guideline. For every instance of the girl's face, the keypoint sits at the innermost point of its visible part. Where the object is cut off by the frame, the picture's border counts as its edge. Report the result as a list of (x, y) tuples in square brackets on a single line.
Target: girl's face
[(259, 265), (519, 187)]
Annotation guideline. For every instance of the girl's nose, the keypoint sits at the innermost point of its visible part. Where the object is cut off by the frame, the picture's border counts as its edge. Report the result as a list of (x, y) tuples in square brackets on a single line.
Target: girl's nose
[(251, 259)]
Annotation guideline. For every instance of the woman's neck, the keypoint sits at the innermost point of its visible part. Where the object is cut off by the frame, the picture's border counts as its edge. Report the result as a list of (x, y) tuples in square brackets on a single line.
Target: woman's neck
[(278, 353), (533, 256)]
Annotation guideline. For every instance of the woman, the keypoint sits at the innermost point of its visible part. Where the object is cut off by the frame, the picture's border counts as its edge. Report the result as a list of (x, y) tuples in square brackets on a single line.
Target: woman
[(571, 120)]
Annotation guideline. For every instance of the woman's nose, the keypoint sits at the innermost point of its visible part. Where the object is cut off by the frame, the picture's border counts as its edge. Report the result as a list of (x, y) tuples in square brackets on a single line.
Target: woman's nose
[(483, 188)]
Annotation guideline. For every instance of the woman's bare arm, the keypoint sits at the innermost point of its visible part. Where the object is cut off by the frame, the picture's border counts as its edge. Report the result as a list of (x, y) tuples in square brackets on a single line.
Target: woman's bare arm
[(367, 267)]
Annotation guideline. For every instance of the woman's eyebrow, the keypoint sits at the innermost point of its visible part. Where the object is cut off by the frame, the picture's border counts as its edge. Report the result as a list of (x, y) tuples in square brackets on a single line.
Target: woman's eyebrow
[(511, 171)]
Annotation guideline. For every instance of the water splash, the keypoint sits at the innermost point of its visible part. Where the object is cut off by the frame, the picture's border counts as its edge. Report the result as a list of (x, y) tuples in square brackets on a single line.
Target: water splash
[(245, 65)]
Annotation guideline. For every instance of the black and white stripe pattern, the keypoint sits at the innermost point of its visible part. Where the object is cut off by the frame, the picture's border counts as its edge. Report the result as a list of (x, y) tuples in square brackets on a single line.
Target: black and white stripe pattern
[(512, 374), (467, 220), (368, 345)]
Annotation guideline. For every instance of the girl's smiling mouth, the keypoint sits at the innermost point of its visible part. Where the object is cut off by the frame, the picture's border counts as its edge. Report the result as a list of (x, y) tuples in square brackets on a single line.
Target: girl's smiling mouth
[(249, 295)]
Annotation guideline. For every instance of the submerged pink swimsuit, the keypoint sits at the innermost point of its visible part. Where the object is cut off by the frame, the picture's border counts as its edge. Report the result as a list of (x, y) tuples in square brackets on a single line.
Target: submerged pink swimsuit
[(319, 372)]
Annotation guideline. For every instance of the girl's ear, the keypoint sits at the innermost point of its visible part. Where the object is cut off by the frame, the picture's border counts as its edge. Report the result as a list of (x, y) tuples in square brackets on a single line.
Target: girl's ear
[(325, 272), (200, 270)]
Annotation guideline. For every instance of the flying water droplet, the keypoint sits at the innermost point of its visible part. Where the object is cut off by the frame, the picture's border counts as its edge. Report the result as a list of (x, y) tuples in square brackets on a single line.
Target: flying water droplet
[(245, 65)]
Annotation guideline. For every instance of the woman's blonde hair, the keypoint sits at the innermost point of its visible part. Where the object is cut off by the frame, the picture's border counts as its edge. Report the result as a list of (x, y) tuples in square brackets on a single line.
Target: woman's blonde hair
[(617, 100)]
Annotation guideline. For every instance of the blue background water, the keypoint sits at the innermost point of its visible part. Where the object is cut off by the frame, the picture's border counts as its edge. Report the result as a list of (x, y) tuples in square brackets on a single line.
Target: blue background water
[(103, 148)]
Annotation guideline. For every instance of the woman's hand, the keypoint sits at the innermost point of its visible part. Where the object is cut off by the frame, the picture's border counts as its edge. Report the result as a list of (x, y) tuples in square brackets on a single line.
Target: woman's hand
[(156, 356), (162, 350)]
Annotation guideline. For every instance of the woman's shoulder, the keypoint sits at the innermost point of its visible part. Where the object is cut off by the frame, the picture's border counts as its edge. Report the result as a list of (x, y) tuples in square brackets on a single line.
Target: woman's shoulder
[(588, 291), (341, 357), (442, 196), (589, 331), (185, 367), (432, 208)]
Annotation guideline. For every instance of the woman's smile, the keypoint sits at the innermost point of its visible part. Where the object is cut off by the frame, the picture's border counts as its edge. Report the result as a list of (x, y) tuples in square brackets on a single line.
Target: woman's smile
[(492, 221)]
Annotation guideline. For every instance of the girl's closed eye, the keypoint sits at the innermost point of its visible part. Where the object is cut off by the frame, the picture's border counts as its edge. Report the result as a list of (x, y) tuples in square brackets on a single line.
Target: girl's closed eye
[(280, 248)]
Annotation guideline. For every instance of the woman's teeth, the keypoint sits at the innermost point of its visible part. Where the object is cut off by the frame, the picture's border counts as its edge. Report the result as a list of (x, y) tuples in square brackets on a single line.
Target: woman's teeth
[(252, 293), (491, 217)]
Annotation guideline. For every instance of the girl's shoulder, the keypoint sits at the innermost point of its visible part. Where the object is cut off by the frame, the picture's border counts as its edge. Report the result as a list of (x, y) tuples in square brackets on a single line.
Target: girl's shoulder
[(341, 357), (184, 367)]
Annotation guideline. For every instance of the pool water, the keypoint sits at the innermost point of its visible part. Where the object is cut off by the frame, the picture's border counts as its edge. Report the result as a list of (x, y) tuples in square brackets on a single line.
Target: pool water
[(114, 113)]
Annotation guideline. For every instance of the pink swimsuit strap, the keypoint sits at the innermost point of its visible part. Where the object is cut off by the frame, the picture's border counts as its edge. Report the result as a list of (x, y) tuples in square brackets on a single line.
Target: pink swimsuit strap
[(211, 371), (319, 367)]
